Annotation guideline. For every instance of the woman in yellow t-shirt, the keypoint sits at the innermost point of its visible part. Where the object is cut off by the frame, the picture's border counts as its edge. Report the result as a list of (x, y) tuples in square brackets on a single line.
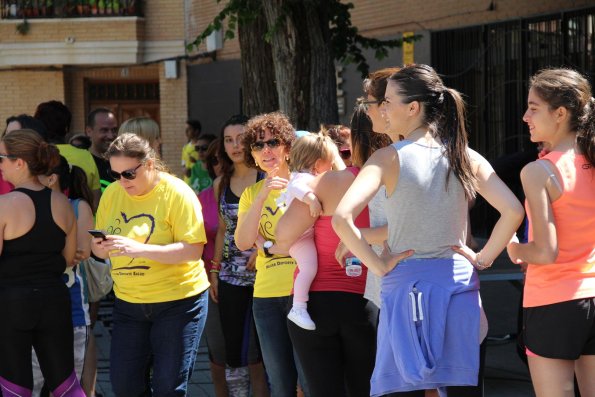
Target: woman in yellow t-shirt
[(155, 238), (267, 141)]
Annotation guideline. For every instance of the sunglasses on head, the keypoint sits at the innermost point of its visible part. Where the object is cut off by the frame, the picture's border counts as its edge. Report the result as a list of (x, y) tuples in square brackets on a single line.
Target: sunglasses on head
[(345, 153), (271, 143), (127, 174), (201, 148), (6, 156)]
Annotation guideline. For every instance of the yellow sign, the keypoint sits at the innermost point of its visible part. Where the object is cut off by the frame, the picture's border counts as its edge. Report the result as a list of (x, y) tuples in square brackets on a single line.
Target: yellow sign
[(408, 49)]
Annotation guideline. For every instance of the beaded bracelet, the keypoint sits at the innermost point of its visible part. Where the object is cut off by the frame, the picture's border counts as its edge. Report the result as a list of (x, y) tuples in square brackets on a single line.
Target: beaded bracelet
[(215, 264)]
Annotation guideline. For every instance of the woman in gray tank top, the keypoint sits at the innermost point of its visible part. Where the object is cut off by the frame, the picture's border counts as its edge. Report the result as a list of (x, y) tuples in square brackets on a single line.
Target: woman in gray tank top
[(430, 300)]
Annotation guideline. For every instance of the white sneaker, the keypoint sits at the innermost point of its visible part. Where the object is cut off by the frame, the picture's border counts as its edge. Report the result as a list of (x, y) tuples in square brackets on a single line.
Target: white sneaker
[(301, 318)]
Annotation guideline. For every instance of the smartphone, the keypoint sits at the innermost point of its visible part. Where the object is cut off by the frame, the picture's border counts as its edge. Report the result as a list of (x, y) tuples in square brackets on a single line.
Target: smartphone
[(97, 233)]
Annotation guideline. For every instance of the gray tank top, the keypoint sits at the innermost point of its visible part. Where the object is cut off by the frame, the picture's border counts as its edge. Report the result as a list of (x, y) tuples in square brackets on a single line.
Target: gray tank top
[(422, 213)]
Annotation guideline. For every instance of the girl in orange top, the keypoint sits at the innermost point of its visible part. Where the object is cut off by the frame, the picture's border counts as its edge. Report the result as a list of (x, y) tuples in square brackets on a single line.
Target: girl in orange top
[(559, 303)]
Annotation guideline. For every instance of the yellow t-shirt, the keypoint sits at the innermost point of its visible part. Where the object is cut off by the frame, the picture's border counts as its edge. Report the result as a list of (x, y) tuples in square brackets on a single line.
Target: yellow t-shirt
[(274, 275), (167, 214), (84, 159), (188, 151)]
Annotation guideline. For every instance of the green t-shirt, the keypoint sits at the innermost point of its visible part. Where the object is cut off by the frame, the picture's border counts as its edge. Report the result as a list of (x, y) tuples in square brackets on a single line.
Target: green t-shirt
[(199, 177)]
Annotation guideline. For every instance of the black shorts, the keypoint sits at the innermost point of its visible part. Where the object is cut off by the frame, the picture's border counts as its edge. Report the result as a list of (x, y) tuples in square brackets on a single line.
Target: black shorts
[(564, 330)]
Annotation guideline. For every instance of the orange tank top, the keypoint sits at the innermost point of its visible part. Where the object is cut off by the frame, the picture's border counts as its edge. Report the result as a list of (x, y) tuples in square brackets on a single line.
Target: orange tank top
[(572, 275)]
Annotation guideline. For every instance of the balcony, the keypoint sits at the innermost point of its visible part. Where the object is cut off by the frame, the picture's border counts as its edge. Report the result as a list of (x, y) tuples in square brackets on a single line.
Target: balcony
[(33, 9)]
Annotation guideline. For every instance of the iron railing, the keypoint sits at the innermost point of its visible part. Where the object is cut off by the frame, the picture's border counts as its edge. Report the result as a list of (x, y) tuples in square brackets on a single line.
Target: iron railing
[(491, 65)]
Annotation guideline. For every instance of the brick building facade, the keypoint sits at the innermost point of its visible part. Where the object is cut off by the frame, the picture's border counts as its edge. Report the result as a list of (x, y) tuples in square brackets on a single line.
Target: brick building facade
[(64, 58)]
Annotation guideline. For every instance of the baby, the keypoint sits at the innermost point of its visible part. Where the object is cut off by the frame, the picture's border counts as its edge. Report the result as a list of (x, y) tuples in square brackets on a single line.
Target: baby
[(311, 155)]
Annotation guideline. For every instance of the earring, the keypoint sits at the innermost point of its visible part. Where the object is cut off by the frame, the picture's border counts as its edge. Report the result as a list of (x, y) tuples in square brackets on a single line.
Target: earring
[(286, 158)]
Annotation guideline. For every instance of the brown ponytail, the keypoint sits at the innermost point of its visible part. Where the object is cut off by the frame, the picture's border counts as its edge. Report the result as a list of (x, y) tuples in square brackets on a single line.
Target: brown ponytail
[(28, 145), (444, 112), (585, 137)]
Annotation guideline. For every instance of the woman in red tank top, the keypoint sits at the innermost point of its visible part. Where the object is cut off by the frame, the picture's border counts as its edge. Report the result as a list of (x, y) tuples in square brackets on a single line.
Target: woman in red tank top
[(339, 354)]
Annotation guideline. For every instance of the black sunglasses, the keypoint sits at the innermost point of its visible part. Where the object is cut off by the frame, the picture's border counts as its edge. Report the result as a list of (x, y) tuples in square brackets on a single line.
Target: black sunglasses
[(271, 143), (6, 156), (345, 154), (127, 174), (201, 148)]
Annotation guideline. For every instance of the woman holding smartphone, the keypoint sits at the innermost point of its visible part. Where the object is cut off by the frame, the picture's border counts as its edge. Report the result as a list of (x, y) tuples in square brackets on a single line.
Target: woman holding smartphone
[(155, 238)]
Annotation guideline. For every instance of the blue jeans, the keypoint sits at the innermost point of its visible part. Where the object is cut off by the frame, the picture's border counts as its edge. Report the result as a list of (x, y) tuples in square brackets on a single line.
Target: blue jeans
[(282, 367), (169, 332)]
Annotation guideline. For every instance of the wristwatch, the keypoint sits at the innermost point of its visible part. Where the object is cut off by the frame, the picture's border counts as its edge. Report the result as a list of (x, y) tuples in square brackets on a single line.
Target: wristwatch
[(265, 247)]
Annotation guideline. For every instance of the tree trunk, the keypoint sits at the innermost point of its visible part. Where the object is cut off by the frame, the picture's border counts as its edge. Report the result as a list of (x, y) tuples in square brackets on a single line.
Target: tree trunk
[(290, 48), (259, 92), (323, 83)]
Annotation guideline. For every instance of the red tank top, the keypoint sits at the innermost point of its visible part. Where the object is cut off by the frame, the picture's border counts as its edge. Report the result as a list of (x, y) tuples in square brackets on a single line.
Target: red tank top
[(330, 275)]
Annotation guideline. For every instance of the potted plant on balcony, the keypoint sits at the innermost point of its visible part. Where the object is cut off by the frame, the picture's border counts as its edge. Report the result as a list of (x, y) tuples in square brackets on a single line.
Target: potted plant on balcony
[(116, 7), (93, 6), (23, 27), (101, 7), (14, 9), (43, 8), (28, 9), (36, 12), (131, 7), (108, 7)]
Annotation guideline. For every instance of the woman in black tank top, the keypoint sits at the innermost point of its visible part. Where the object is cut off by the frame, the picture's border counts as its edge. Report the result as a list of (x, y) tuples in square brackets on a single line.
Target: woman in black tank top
[(38, 242)]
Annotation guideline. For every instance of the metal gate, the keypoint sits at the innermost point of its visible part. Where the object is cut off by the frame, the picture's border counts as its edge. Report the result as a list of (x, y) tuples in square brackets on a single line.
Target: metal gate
[(491, 65)]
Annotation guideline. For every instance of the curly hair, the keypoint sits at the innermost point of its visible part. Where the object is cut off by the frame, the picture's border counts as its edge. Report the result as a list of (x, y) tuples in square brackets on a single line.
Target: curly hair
[(277, 123)]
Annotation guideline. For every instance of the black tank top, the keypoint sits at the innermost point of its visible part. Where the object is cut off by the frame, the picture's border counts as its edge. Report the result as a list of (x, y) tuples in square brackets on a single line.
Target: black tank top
[(35, 258)]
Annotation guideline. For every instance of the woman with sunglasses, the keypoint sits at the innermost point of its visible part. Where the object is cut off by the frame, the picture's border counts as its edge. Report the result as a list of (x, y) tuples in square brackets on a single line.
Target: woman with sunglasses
[(429, 177), (155, 238), (266, 144), (373, 99), (199, 176), (38, 243)]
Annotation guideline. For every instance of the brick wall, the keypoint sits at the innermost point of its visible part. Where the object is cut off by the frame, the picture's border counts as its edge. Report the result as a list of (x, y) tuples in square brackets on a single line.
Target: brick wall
[(164, 20), (381, 18), (387, 17), (200, 14), (83, 29), (22, 91), (174, 113)]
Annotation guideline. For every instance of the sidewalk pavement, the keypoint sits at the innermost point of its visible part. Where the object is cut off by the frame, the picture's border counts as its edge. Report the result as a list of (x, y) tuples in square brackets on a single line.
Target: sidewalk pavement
[(505, 374)]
